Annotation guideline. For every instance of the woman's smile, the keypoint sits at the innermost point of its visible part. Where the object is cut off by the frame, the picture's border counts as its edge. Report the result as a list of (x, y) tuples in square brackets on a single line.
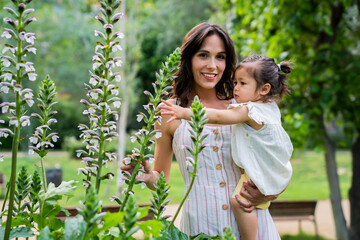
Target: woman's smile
[(209, 76)]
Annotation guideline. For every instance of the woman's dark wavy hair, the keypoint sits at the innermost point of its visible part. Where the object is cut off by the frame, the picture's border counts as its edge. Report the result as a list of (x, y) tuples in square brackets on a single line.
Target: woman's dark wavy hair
[(184, 80)]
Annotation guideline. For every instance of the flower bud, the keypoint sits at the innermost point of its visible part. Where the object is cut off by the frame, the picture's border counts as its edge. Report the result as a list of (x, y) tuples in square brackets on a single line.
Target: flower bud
[(100, 19), (21, 7), (108, 11)]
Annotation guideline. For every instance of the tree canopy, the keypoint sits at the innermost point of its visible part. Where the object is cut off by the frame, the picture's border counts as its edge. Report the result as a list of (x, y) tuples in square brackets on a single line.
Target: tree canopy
[(322, 38)]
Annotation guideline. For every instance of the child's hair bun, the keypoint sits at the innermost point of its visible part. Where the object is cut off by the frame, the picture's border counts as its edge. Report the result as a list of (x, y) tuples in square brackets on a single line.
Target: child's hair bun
[(285, 67)]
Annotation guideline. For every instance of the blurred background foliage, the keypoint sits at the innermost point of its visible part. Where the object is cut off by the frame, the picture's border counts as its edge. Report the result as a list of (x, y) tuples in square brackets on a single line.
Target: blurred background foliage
[(65, 36), (64, 41)]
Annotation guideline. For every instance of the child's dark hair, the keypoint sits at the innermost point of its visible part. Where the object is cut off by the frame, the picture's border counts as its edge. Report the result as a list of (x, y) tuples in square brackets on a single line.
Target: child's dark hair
[(267, 71)]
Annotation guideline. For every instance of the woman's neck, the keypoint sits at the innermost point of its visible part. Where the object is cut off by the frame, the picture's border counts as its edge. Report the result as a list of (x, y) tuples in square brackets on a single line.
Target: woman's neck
[(209, 99)]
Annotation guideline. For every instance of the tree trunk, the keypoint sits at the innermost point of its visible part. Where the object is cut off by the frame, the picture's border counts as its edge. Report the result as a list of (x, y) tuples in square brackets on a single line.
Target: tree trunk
[(354, 192), (335, 196)]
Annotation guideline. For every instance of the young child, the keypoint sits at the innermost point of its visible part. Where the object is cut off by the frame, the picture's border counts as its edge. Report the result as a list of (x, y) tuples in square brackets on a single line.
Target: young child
[(260, 145)]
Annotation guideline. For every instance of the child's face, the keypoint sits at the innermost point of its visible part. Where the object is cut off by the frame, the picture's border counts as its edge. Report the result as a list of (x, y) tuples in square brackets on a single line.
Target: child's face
[(245, 87)]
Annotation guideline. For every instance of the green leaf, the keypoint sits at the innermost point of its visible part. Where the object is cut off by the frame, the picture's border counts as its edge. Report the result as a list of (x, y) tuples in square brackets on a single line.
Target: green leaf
[(21, 232), (151, 227), (45, 234), (54, 194), (19, 220), (55, 223), (50, 210), (74, 228), (143, 211), (112, 220), (174, 234)]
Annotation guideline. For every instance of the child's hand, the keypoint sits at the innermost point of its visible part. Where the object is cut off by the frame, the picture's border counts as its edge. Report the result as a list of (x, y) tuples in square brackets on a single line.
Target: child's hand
[(175, 111)]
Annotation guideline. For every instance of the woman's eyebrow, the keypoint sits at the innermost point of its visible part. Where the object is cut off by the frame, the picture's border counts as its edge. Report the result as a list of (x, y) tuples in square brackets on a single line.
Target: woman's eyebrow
[(206, 51), (203, 50)]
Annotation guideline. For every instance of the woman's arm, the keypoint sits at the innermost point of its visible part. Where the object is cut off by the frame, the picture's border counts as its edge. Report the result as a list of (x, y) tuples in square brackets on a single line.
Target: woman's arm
[(163, 156), (214, 116)]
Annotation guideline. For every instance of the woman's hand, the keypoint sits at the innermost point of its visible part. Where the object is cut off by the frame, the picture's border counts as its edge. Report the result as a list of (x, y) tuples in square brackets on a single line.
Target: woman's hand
[(148, 175), (253, 195)]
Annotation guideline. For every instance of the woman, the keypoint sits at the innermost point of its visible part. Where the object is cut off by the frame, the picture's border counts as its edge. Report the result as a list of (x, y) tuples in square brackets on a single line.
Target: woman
[(207, 63)]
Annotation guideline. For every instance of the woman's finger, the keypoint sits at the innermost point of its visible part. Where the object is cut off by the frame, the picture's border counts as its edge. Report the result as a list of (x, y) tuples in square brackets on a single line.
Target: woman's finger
[(126, 167), (245, 205), (171, 119), (165, 102), (147, 166), (244, 193), (168, 113)]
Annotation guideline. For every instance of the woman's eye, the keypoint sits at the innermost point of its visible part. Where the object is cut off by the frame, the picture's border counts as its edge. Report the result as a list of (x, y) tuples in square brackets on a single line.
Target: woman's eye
[(202, 55), (222, 57)]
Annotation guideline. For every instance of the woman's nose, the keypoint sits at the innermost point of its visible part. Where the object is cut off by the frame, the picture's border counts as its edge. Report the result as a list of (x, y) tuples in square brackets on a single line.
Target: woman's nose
[(211, 63)]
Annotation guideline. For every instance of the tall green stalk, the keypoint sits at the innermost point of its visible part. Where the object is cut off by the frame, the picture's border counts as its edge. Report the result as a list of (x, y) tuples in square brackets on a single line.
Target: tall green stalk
[(42, 139), (15, 146), (102, 92), (198, 120), (13, 80), (144, 135)]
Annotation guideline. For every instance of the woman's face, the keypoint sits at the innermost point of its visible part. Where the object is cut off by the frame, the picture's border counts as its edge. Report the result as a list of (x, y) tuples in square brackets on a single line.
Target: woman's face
[(209, 62)]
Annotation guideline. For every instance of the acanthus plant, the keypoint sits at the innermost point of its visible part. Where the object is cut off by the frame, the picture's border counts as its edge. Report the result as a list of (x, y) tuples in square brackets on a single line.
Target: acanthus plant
[(146, 134), (102, 93), (1, 121), (15, 71), (43, 139)]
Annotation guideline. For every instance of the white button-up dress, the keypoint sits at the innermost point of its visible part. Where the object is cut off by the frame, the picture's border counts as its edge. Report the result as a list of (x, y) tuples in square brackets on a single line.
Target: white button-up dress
[(208, 207), (265, 153)]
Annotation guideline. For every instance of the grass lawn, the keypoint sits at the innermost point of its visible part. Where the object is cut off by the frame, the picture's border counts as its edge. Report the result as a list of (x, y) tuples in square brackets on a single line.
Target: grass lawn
[(308, 181)]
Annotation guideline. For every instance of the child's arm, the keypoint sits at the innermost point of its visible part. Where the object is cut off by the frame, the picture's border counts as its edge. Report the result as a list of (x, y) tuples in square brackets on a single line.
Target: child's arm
[(175, 111), (214, 116)]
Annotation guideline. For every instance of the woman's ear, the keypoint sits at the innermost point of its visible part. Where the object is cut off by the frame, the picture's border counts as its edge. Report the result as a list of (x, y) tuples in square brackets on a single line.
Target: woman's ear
[(265, 89)]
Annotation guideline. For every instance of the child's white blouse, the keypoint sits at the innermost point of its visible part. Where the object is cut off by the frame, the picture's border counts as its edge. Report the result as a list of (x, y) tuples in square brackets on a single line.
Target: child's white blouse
[(265, 153)]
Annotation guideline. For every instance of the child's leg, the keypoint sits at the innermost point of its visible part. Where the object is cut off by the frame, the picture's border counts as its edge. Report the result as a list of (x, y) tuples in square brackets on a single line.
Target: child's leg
[(247, 222)]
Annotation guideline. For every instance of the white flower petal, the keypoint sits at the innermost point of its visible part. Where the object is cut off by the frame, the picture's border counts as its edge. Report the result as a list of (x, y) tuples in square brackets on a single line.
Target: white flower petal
[(139, 117)]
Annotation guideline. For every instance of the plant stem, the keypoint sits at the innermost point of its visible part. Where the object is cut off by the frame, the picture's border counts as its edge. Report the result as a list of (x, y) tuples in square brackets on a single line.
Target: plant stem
[(86, 230), (136, 169), (41, 213), (191, 184), (15, 143), (6, 196), (103, 121), (182, 202), (44, 175), (12, 180), (142, 151)]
